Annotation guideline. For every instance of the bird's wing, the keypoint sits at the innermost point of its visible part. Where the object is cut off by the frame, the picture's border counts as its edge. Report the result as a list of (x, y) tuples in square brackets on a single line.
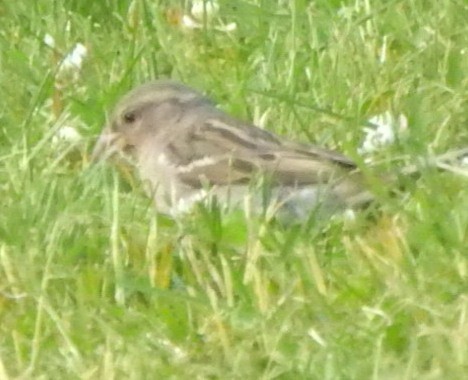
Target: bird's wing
[(219, 152)]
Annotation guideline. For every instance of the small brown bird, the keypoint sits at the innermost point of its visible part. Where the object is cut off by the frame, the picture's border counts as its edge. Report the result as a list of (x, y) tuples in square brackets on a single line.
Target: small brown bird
[(186, 150)]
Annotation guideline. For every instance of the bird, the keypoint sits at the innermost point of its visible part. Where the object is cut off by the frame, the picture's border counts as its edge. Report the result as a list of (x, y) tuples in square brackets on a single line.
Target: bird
[(187, 151)]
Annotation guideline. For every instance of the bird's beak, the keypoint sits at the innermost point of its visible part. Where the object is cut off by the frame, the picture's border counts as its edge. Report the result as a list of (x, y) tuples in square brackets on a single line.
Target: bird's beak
[(107, 145)]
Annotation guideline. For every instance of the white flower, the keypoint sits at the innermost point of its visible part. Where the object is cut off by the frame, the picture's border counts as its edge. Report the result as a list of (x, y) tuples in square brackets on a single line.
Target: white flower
[(205, 10), (66, 134), (190, 23), (384, 130), (74, 59), (49, 40), (201, 9)]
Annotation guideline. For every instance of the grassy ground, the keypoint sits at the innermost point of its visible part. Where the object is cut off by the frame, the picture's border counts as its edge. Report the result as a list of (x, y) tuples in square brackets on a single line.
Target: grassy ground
[(94, 285)]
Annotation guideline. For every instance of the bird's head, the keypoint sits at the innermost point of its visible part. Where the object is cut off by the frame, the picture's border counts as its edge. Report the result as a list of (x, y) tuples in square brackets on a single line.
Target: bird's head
[(144, 114)]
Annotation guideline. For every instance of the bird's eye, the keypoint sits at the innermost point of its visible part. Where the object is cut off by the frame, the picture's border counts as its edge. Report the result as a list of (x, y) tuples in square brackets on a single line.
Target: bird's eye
[(129, 117)]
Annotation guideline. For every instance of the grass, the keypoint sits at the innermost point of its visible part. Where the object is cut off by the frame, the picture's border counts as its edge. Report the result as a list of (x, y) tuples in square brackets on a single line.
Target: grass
[(94, 285)]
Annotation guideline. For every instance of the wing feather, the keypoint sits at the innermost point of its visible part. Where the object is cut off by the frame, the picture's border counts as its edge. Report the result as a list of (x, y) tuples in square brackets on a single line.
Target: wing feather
[(222, 151)]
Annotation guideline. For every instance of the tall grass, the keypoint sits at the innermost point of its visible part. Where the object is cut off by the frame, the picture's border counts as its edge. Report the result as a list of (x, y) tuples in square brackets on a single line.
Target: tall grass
[(94, 284)]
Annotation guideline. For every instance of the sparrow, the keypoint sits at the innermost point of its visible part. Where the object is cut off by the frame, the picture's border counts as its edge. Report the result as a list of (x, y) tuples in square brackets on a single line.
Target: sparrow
[(185, 150)]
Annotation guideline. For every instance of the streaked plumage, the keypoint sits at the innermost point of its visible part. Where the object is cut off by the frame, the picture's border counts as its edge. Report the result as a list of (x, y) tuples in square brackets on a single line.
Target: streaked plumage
[(186, 149)]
